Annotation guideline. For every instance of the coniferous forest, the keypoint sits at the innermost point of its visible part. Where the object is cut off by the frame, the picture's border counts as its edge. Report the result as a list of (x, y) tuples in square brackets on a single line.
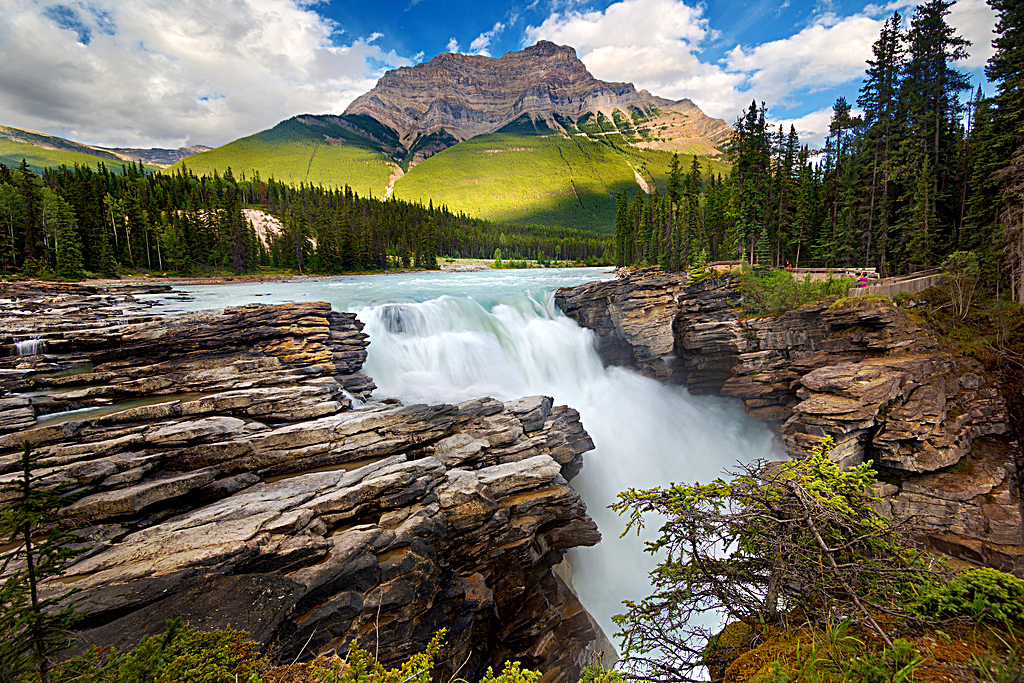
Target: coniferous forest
[(929, 168), (69, 221)]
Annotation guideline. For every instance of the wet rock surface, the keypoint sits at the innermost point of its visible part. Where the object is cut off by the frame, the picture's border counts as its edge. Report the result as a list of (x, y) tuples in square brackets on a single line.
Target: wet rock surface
[(858, 370), (230, 473)]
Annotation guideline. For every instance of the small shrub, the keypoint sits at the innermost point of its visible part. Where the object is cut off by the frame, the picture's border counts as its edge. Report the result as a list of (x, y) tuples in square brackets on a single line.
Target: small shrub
[(511, 674), (770, 292), (181, 654), (595, 673), (982, 594)]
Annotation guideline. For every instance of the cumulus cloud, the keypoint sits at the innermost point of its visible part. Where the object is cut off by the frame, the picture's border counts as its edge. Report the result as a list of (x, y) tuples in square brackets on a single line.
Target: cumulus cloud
[(652, 43), (148, 72), (657, 45), (453, 45), (975, 21), (480, 43), (809, 60)]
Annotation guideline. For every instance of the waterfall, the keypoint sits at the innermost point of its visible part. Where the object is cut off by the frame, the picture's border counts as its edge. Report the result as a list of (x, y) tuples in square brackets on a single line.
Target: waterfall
[(646, 434), (447, 338), (29, 347)]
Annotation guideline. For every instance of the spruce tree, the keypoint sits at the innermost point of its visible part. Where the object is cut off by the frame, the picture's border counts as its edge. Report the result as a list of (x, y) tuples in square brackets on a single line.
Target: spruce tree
[(69, 251), (30, 187), (33, 629)]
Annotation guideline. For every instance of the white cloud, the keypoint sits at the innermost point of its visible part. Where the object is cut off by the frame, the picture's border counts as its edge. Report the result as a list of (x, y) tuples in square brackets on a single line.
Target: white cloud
[(480, 43), (651, 43), (150, 72), (453, 45), (975, 21), (809, 60), (813, 127), (657, 45), (972, 19)]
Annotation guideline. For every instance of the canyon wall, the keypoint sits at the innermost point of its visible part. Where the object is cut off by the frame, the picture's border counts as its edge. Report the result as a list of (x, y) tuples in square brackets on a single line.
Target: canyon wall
[(860, 370), (229, 472)]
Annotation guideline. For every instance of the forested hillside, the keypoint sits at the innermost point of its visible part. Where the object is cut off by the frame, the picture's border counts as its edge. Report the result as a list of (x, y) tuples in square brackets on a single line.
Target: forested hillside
[(927, 169), (71, 220)]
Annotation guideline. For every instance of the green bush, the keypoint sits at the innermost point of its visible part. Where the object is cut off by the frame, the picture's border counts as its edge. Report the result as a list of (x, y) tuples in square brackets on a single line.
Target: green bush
[(511, 674), (362, 667), (181, 654), (595, 673), (772, 291), (982, 594)]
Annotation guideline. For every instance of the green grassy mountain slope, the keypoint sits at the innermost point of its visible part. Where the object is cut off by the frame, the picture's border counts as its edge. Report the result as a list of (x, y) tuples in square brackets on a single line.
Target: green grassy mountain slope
[(39, 158), (530, 173), (317, 150), (48, 151)]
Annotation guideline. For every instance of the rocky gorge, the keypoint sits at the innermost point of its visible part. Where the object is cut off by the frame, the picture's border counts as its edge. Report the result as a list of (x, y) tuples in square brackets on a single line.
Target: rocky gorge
[(231, 470), (860, 370)]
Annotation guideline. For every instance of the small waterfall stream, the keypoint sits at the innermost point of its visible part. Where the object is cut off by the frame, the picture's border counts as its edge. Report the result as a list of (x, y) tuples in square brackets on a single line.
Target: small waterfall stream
[(29, 347), (447, 338)]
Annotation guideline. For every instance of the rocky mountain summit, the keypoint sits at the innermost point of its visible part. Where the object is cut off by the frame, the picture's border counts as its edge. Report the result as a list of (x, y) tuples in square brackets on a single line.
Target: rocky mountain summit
[(230, 472), (859, 370), (461, 96)]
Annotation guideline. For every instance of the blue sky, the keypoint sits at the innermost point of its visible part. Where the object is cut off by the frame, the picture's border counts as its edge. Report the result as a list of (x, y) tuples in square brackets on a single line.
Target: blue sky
[(179, 72)]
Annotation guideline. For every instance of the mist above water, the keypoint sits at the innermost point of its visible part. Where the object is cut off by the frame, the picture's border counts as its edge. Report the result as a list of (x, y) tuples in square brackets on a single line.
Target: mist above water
[(450, 337)]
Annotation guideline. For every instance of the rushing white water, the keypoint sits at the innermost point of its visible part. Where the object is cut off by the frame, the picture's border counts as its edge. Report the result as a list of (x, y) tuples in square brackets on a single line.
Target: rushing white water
[(446, 338), (29, 347)]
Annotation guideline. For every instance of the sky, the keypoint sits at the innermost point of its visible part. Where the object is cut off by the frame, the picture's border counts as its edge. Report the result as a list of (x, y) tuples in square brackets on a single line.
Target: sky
[(171, 73)]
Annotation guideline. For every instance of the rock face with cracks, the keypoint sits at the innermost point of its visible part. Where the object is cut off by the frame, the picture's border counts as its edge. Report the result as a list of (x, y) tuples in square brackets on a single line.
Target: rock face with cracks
[(228, 478), (858, 370)]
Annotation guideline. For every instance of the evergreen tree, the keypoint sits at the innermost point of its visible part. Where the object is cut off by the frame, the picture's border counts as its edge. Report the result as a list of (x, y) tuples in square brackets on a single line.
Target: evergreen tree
[(30, 187), (930, 91), (32, 629), (69, 251), (880, 100)]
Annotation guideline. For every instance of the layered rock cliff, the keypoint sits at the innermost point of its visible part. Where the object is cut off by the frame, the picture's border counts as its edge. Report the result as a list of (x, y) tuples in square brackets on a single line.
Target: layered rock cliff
[(230, 474), (859, 370), (461, 96)]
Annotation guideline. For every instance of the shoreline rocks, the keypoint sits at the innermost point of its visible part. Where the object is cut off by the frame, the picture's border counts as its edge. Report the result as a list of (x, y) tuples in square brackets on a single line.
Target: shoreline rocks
[(859, 370), (230, 473)]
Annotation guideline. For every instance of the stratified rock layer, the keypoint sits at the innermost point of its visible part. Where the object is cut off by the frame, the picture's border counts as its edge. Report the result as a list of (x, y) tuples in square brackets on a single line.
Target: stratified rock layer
[(858, 370), (242, 488)]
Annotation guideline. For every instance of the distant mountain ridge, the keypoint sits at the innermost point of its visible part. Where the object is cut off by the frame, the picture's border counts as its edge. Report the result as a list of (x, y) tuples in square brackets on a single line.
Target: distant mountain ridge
[(153, 156)]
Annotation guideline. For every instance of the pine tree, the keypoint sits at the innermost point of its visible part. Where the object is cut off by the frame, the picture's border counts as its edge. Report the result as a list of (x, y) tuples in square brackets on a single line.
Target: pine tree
[(879, 98), (675, 179), (930, 91), (69, 251), (32, 629), (30, 187), (1000, 126)]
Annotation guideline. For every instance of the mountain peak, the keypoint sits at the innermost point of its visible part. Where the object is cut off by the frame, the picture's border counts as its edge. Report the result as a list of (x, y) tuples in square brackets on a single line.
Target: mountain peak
[(469, 95)]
